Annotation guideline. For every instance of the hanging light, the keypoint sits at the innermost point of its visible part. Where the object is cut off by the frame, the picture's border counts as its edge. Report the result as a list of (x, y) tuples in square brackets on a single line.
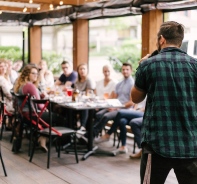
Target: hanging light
[(0, 12), (25, 9), (38, 8), (30, 1), (51, 6), (61, 3)]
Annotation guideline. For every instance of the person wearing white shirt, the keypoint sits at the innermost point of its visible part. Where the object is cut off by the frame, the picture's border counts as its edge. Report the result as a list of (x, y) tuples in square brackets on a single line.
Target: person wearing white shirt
[(105, 88)]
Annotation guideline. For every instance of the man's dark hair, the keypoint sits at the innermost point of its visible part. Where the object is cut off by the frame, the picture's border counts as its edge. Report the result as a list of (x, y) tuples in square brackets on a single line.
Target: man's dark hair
[(172, 31), (65, 62), (127, 64)]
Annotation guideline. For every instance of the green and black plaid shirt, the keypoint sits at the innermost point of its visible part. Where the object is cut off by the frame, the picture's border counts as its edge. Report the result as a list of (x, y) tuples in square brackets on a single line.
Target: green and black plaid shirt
[(170, 119)]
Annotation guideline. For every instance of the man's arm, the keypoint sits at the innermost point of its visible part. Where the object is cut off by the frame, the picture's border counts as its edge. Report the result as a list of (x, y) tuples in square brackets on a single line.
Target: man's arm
[(58, 82), (137, 95)]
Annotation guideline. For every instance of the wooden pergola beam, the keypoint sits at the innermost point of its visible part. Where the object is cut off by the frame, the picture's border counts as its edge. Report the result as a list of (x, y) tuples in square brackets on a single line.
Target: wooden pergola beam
[(151, 22)]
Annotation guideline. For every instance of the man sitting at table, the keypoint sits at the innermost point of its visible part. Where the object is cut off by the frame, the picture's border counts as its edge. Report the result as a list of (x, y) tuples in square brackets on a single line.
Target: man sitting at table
[(69, 77), (122, 93)]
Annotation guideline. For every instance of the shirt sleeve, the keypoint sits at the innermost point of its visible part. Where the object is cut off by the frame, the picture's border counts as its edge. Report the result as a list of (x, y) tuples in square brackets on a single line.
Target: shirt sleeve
[(73, 77), (91, 84), (6, 89), (140, 82)]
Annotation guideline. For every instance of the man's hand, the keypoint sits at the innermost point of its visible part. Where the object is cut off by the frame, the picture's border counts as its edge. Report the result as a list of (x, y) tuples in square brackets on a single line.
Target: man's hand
[(144, 58)]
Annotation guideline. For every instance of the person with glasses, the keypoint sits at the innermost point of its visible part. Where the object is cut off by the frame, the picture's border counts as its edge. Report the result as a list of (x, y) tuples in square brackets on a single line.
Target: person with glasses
[(27, 83), (46, 76), (69, 77)]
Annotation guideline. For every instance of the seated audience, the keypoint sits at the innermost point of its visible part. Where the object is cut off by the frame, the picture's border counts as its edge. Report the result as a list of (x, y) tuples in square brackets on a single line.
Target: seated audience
[(122, 93), (123, 118), (84, 84), (69, 77), (105, 88)]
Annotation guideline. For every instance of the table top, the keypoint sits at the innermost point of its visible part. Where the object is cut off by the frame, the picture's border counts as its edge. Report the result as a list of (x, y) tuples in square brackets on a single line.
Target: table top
[(88, 103)]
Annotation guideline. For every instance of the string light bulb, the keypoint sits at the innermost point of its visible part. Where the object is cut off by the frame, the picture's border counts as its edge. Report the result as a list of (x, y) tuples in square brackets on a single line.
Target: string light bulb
[(25, 9), (51, 6), (0, 12), (61, 3), (38, 8), (30, 1)]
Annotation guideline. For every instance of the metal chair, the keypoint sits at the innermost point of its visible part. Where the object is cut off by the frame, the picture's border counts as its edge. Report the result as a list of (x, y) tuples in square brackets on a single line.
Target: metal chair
[(47, 130), (2, 106)]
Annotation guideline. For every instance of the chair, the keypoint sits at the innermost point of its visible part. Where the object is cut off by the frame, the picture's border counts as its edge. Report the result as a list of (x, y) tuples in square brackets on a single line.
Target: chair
[(47, 130), (22, 120), (2, 105), (6, 114)]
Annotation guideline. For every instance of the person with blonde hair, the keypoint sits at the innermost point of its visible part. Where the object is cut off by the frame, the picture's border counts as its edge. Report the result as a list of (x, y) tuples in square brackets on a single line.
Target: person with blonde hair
[(105, 88), (46, 76), (6, 86)]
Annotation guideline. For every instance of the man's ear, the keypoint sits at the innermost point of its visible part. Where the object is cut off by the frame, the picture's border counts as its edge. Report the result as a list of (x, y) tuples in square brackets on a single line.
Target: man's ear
[(162, 40)]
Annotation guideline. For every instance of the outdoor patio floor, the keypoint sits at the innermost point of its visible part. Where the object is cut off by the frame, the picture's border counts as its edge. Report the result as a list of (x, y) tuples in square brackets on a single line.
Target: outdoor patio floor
[(96, 169)]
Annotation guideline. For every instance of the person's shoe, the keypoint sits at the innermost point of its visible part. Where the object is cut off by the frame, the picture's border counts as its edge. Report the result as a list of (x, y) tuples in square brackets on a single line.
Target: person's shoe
[(101, 139), (82, 128), (42, 141), (81, 131), (120, 151), (137, 155)]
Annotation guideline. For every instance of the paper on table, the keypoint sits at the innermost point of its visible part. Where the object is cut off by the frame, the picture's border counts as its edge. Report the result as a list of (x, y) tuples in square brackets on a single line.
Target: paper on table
[(114, 102)]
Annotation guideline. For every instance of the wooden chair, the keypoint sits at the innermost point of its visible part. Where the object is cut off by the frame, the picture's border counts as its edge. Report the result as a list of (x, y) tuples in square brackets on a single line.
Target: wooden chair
[(47, 130)]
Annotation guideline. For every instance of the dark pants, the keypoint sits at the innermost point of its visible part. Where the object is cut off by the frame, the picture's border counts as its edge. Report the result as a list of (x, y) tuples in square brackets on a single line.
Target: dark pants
[(136, 125), (102, 117), (185, 169)]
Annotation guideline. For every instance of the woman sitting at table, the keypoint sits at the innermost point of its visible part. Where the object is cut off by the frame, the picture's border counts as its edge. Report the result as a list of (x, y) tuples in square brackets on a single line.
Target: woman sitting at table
[(105, 88), (27, 83), (84, 84)]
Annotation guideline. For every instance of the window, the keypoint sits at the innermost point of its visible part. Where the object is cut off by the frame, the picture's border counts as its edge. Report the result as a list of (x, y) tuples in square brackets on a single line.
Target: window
[(184, 46), (195, 47)]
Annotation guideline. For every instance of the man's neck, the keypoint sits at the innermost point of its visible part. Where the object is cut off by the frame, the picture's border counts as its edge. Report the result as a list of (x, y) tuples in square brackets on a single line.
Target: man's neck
[(67, 75)]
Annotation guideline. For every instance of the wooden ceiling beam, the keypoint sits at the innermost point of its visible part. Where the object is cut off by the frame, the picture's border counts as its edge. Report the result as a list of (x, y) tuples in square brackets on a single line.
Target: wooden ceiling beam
[(56, 2), (14, 9)]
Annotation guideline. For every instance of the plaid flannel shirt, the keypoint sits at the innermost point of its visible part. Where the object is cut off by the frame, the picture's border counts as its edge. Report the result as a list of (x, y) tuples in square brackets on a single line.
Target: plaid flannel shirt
[(170, 118)]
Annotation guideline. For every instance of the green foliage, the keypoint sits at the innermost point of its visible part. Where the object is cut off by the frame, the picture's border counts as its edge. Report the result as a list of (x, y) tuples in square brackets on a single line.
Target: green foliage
[(12, 53), (129, 51), (7, 48), (15, 53), (53, 61)]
